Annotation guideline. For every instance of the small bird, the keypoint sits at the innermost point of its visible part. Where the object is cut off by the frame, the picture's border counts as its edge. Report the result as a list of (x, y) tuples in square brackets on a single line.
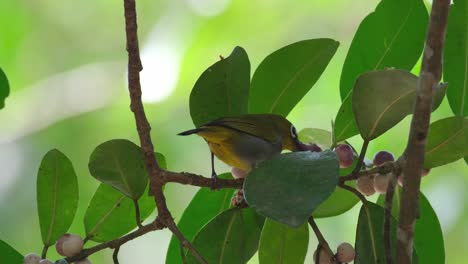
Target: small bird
[(244, 141)]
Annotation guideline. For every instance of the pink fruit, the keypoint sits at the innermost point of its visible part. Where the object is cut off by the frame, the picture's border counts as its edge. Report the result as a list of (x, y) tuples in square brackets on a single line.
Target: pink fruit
[(69, 245), (31, 258), (345, 155), (381, 183), (365, 185), (345, 253)]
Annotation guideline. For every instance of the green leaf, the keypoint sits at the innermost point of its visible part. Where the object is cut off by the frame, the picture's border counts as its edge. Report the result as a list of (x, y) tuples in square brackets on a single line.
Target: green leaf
[(456, 58), (340, 201), (222, 89), (345, 122), (205, 205), (369, 236), (381, 99), (231, 237), (9, 255), (289, 187), (4, 88), (392, 36), (428, 236), (322, 138), (57, 195), (286, 75), (111, 214), (120, 164), (447, 141), (280, 243)]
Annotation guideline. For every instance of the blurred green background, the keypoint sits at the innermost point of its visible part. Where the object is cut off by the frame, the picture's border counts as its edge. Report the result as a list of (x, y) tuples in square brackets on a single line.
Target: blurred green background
[(66, 63)]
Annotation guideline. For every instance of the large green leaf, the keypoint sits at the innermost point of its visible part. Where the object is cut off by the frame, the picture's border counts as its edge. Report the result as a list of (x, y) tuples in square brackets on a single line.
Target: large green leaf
[(447, 141), (369, 236), (286, 75), (205, 205), (231, 237), (222, 89), (392, 36), (120, 164), (345, 122), (4, 88), (381, 99), (428, 236), (289, 187), (57, 195), (321, 137), (282, 244), (456, 58), (9, 255), (111, 214), (340, 201)]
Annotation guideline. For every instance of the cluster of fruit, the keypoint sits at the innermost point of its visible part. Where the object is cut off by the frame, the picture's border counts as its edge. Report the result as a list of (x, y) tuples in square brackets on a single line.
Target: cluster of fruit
[(344, 254), (370, 184), (68, 245)]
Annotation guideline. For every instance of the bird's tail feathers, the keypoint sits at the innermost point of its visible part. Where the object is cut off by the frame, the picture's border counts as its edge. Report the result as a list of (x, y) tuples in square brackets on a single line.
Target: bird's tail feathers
[(190, 132)]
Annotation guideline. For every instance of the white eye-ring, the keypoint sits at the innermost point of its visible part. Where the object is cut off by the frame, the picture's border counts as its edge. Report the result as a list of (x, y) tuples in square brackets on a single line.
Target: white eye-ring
[(293, 132)]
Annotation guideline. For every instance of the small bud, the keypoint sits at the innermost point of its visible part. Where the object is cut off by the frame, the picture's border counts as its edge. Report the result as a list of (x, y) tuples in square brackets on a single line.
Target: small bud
[(365, 185), (345, 253), (324, 257), (45, 261), (69, 245), (382, 157), (83, 261), (381, 183), (345, 155), (238, 173), (31, 258)]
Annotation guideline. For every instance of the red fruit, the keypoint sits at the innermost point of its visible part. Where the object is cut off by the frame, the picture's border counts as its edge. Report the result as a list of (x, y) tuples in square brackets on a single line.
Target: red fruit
[(345, 155), (382, 157), (69, 245), (309, 147), (345, 253), (238, 173)]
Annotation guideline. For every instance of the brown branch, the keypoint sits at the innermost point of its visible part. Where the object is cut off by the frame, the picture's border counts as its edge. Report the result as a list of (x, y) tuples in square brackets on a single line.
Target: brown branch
[(388, 218), (143, 127), (156, 225), (355, 192), (197, 180), (431, 70), (321, 239)]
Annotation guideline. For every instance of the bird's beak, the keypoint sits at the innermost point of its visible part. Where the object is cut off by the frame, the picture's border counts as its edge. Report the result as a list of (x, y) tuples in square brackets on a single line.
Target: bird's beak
[(307, 147)]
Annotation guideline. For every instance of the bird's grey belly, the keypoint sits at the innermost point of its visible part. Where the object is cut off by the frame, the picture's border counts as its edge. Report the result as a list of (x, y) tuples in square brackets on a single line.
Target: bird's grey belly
[(255, 150)]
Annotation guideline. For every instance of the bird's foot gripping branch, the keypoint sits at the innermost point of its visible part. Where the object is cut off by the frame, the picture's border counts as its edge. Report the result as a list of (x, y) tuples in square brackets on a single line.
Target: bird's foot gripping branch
[(242, 118)]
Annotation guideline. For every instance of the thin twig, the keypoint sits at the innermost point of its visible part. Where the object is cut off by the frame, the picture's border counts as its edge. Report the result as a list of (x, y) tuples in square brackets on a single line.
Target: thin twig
[(431, 71), (355, 192), (362, 155), (321, 239), (387, 167), (388, 217), (115, 255), (137, 213), (156, 225), (197, 180), (143, 127), (182, 254), (44, 252)]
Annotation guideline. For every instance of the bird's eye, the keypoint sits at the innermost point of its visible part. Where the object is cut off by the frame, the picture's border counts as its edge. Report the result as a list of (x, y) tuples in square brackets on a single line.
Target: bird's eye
[(293, 132)]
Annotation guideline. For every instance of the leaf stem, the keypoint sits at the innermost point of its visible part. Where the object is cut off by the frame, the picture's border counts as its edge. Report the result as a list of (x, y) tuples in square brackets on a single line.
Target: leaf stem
[(137, 213), (115, 255), (362, 155), (44, 251)]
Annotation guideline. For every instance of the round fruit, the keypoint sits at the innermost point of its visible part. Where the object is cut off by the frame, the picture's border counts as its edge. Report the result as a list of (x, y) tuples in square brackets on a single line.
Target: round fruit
[(31, 258), (69, 245), (365, 185), (381, 183), (425, 172), (345, 253), (238, 173), (45, 261), (383, 156), (83, 261), (345, 155)]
